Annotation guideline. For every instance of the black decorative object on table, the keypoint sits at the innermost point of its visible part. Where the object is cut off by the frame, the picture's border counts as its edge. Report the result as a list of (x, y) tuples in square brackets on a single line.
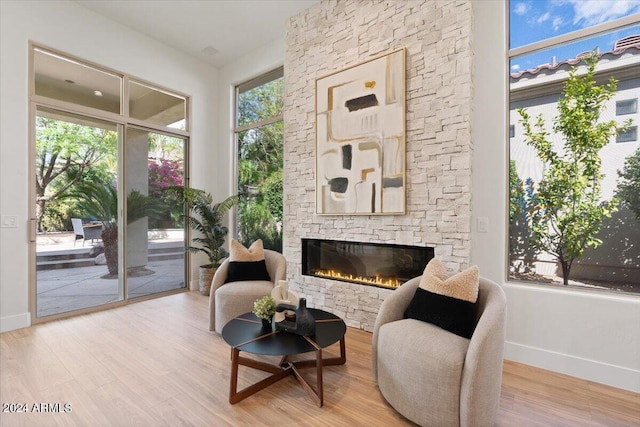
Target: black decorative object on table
[(304, 323), (266, 324)]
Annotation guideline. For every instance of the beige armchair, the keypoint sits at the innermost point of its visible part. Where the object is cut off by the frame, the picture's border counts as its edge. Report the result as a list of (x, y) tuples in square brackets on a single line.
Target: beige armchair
[(229, 300), (434, 377)]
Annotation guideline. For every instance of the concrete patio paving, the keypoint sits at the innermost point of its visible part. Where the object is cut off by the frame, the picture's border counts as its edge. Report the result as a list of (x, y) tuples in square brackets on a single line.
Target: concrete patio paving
[(61, 290)]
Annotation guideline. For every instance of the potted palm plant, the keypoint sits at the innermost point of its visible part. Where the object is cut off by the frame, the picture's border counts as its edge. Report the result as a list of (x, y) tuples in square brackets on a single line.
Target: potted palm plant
[(205, 218)]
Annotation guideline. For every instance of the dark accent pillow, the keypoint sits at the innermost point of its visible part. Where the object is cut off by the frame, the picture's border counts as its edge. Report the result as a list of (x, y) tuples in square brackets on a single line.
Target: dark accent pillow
[(247, 270), (452, 314)]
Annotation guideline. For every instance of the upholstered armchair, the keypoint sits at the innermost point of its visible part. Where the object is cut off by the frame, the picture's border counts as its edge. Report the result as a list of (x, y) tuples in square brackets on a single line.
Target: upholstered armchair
[(229, 300), (434, 377)]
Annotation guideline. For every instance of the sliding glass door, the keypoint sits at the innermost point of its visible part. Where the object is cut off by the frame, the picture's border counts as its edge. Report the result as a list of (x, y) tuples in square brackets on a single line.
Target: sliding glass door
[(107, 151)]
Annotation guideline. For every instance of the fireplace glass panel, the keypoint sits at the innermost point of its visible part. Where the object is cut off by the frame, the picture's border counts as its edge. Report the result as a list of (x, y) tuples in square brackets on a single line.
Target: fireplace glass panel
[(377, 264)]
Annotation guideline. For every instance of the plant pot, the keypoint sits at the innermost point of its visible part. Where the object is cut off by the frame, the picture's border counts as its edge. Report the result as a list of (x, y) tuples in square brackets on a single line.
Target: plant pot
[(205, 276), (267, 324)]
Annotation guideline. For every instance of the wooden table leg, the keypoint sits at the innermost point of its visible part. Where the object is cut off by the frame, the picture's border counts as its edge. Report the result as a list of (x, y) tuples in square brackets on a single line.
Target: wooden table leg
[(282, 370), (317, 395), (233, 384), (283, 361), (277, 373), (319, 388), (330, 361)]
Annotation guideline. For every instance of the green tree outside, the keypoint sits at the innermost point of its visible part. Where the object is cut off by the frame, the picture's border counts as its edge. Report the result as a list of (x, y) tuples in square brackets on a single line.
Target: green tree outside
[(522, 200), (629, 184), (67, 153), (569, 210)]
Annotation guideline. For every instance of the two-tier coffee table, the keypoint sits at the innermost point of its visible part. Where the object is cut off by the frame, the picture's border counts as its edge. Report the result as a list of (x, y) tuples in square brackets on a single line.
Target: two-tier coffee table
[(245, 333)]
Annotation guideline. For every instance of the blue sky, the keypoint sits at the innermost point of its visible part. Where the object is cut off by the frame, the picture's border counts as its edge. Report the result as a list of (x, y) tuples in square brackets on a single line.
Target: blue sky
[(535, 20)]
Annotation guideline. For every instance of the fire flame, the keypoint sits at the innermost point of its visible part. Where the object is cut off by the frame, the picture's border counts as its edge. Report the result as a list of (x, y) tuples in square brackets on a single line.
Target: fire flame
[(366, 280)]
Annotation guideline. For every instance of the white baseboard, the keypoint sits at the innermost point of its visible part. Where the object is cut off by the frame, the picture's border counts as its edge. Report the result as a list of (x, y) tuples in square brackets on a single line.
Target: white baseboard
[(18, 321), (592, 370)]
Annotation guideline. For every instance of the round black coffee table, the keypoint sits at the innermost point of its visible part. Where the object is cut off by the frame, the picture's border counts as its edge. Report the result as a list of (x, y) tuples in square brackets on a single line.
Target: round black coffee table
[(246, 333)]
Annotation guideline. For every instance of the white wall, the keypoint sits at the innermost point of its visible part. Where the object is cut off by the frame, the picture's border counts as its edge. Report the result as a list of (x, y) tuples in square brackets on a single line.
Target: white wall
[(585, 334), (68, 27)]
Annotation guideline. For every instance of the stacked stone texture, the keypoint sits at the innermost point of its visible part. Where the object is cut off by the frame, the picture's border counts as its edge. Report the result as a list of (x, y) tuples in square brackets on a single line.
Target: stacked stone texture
[(333, 35)]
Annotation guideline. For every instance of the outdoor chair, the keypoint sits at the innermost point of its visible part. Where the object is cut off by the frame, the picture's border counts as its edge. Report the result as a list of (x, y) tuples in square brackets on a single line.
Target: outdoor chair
[(85, 231)]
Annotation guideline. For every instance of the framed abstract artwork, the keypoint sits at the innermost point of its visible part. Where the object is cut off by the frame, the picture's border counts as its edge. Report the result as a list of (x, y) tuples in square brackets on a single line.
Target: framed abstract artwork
[(360, 138)]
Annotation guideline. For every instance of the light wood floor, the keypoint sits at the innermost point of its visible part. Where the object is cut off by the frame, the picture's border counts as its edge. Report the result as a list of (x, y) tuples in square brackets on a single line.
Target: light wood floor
[(155, 364)]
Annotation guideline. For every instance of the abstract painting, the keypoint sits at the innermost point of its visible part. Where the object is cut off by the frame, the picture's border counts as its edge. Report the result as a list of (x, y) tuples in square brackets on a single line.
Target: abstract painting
[(360, 138)]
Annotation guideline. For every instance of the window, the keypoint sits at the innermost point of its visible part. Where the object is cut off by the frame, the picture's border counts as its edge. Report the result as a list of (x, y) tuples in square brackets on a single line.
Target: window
[(259, 137), (157, 106), (629, 135), (64, 79), (628, 106), (548, 42)]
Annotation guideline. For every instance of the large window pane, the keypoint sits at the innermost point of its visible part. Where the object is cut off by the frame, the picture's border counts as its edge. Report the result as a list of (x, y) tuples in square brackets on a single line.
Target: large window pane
[(260, 164), (74, 152), (155, 245), (537, 85), (259, 137)]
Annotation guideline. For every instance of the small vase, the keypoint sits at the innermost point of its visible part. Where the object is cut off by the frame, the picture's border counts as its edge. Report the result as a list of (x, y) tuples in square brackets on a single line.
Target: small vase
[(305, 323), (266, 323)]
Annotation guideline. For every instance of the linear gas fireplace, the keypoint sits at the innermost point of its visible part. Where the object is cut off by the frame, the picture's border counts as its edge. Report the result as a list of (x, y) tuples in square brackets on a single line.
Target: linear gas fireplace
[(376, 264)]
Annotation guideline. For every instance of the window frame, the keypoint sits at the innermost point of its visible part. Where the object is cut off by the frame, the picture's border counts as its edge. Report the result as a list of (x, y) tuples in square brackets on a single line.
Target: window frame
[(631, 133), (632, 101)]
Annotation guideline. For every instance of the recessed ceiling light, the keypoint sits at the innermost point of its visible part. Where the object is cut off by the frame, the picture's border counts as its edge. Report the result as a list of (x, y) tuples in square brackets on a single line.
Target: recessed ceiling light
[(97, 93)]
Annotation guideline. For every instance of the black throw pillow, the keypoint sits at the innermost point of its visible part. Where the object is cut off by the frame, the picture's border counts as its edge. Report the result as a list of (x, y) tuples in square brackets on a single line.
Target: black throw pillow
[(452, 314), (247, 270)]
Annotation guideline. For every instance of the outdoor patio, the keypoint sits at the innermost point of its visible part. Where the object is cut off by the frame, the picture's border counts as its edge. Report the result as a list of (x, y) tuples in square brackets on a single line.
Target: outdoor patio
[(77, 282)]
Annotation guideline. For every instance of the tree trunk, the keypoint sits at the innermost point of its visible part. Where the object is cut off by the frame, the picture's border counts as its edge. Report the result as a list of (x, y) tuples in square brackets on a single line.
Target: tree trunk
[(40, 205), (110, 240), (566, 269)]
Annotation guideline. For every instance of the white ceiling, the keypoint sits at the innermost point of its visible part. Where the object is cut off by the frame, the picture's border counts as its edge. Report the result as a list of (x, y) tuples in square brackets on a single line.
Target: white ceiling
[(231, 27)]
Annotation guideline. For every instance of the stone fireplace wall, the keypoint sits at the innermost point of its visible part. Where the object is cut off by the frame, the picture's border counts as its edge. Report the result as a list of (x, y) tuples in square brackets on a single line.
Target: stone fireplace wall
[(335, 34)]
